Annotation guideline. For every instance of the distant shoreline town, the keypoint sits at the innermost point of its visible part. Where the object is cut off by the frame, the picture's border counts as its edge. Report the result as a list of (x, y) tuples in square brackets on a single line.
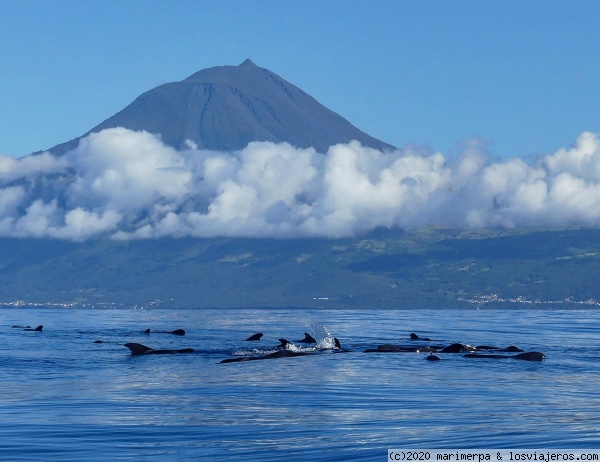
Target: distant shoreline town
[(24, 304), (494, 298), (476, 300)]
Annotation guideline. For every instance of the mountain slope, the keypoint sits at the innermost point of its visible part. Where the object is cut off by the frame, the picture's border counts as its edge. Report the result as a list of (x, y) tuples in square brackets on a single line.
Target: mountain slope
[(224, 108), (385, 269)]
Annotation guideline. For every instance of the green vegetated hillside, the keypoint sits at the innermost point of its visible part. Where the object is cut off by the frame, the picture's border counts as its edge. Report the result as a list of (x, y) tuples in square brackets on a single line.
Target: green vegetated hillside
[(428, 268)]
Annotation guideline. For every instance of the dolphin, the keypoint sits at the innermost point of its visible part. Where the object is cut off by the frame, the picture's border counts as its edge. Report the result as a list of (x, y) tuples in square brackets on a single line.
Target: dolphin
[(138, 349), (389, 348), (508, 349), (277, 354), (283, 343), (457, 348), (307, 339), (529, 356), (254, 338), (37, 329), (21, 327), (414, 336), (174, 332), (511, 349), (337, 347)]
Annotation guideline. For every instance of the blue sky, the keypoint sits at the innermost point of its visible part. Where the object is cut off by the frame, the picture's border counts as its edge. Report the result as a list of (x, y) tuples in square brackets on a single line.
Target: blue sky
[(522, 75)]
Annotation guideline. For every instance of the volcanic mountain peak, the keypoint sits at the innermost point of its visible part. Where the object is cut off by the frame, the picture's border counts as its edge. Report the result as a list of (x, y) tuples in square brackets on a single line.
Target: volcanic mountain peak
[(221, 73), (226, 107)]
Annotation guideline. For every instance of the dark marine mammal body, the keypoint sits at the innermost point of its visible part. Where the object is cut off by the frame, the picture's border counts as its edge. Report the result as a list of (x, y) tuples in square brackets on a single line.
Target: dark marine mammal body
[(37, 329), (283, 343), (457, 348), (508, 349), (390, 348), (414, 336), (307, 339), (277, 354), (174, 332), (255, 337), (137, 349), (528, 356), (284, 352)]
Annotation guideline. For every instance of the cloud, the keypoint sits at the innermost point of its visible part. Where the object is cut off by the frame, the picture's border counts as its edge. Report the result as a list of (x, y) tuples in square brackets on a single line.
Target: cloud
[(12, 169), (129, 185), (121, 169)]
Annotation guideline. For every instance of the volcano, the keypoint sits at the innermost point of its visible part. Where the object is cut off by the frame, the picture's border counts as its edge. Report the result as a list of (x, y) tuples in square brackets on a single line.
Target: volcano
[(226, 107)]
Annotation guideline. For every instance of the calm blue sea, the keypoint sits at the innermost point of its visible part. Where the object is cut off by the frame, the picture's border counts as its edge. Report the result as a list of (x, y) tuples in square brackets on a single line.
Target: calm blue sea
[(65, 397)]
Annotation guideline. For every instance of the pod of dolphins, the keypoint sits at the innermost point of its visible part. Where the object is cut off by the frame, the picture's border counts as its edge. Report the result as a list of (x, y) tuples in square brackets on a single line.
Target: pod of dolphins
[(472, 351), (490, 352), (286, 349)]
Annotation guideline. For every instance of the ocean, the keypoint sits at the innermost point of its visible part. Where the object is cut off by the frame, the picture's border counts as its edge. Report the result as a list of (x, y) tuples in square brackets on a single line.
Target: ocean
[(65, 397)]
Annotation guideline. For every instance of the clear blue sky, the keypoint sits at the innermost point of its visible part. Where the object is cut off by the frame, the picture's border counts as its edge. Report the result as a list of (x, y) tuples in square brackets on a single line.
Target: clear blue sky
[(522, 74)]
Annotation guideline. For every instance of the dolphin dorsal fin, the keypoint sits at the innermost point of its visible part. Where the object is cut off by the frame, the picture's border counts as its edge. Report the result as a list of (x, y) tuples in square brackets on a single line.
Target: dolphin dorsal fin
[(138, 348)]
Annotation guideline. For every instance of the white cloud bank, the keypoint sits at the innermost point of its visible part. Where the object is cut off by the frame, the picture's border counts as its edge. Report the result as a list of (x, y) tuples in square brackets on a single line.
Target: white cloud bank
[(127, 185)]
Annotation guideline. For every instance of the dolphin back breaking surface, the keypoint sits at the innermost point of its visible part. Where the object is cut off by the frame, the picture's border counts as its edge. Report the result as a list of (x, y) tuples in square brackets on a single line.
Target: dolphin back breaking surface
[(137, 349)]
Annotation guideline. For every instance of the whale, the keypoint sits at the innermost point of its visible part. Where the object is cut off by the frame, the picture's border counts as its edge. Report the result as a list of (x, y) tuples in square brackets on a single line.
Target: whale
[(174, 332), (390, 348), (254, 338), (508, 349), (37, 329), (528, 356), (337, 347), (275, 355), (414, 336), (307, 339), (457, 348), (511, 349), (433, 358), (137, 349)]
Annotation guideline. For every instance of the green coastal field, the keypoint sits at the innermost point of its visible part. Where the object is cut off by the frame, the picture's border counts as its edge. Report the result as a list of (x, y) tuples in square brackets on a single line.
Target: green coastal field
[(427, 268)]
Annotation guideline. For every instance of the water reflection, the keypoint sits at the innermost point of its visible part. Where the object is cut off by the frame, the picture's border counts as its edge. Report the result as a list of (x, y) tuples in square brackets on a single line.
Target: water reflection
[(64, 396)]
